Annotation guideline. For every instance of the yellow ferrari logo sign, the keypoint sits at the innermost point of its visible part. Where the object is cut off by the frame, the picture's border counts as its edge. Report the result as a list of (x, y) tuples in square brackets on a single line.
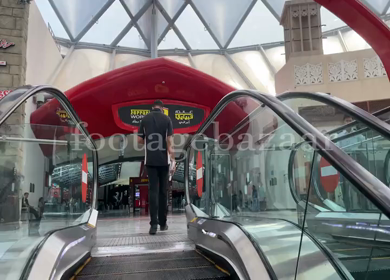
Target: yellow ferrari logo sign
[(166, 111), (184, 116), (62, 114)]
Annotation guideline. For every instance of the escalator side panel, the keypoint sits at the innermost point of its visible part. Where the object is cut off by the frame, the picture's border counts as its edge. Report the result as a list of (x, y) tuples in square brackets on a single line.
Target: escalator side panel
[(228, 241), (63, 251)]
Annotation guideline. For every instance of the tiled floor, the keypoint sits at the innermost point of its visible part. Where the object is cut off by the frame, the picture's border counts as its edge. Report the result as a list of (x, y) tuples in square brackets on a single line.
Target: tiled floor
[(128, 236)]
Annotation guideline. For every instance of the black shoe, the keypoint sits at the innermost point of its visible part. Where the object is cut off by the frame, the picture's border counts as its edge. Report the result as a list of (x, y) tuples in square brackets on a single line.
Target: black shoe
[(153, 230), (163, 228)]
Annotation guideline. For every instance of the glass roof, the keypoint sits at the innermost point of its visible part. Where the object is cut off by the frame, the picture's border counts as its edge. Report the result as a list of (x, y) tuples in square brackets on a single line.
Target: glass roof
[(183, 24)]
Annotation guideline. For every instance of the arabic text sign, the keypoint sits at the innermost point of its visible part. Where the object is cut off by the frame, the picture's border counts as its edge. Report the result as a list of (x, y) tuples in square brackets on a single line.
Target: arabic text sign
[(181, 116)]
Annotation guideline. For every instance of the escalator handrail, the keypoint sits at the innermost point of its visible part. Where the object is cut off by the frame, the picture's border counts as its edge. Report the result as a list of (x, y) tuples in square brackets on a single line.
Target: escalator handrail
[(367, 183), (357, 113), (353, 123), (61, 97), (386, 168), (290, 95), (335, 140)]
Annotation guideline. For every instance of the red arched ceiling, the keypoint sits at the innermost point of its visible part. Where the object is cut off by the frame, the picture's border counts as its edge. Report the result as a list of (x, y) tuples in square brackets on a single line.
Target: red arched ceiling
[(361, 19), (152, 79)]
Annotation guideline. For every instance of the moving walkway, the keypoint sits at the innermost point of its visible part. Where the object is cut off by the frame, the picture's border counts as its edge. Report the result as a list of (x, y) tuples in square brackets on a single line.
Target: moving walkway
[(236, 233)]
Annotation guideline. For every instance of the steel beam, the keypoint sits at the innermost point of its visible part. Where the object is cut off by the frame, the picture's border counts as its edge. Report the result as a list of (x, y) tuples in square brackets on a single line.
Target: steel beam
[(181, 52), (153, 36), (122, 34), (240, 23), (387, 7), (342, 41), (239, 71), (93, 20), (132, 23), (171, 24), (206, 25), (61, 19), (112, 60), (271, 68), (271, 9), (191, 60), (59, 68)]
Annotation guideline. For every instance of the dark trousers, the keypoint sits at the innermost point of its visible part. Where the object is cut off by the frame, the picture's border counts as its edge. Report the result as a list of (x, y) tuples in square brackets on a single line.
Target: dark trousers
[(158, 182)]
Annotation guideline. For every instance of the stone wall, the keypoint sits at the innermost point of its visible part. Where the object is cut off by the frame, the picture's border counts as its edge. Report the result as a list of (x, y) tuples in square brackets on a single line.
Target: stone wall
[(13, 28)]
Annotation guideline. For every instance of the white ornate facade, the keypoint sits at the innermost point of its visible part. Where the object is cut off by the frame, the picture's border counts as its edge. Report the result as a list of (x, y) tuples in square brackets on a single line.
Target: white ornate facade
[(343, 71), (373, 67), (308, 74)]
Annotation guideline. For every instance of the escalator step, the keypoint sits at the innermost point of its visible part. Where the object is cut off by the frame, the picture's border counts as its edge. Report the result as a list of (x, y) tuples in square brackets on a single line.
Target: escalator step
[(202, 273), (146, 257), (182, 265)]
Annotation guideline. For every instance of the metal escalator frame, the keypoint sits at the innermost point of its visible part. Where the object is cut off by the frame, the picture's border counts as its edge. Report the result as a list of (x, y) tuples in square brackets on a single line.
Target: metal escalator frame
[(379, 194), (352, 110), (386, 168), (21, 95), (335, 140), (365, 182)]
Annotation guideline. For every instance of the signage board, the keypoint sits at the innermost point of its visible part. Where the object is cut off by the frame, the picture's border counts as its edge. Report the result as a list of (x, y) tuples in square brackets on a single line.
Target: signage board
[(330, 177), (3, 63), (183, 115), (84, 178)]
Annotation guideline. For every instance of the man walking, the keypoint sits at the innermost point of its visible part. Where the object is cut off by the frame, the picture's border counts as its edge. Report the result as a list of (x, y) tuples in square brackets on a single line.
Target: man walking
[(156, 132)]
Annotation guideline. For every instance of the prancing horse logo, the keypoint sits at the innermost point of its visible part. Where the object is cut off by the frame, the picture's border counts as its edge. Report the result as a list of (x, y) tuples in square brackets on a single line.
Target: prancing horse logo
[(4, 44)]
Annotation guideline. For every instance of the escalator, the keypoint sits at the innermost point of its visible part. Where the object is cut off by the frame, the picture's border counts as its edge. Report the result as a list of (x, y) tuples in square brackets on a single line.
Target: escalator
[(338, 215), (244, 220), (183, 265), (356, 243)]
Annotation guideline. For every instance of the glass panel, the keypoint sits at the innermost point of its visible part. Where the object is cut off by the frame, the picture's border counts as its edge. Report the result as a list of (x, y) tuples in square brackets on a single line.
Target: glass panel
[(329, 20), (277, 6), (254, 24), (135, 5), (104, 31), (249, 167), (194, 31), (254, 157), (133, 40), (50, 17), (145, 23), (77, 14), (362, 143), (348, 226), (377, 6), (172, 6), (222, 16), (46, 178), (171, 41)]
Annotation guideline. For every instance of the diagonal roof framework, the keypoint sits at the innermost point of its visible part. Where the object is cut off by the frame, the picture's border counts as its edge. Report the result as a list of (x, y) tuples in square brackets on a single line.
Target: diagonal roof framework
[(221, 19)]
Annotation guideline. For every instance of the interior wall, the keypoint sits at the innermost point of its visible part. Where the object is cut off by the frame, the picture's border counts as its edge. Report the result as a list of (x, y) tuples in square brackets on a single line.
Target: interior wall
[(255, 67), (218, 67), (43, 56), (83, 65), (122, 60)]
